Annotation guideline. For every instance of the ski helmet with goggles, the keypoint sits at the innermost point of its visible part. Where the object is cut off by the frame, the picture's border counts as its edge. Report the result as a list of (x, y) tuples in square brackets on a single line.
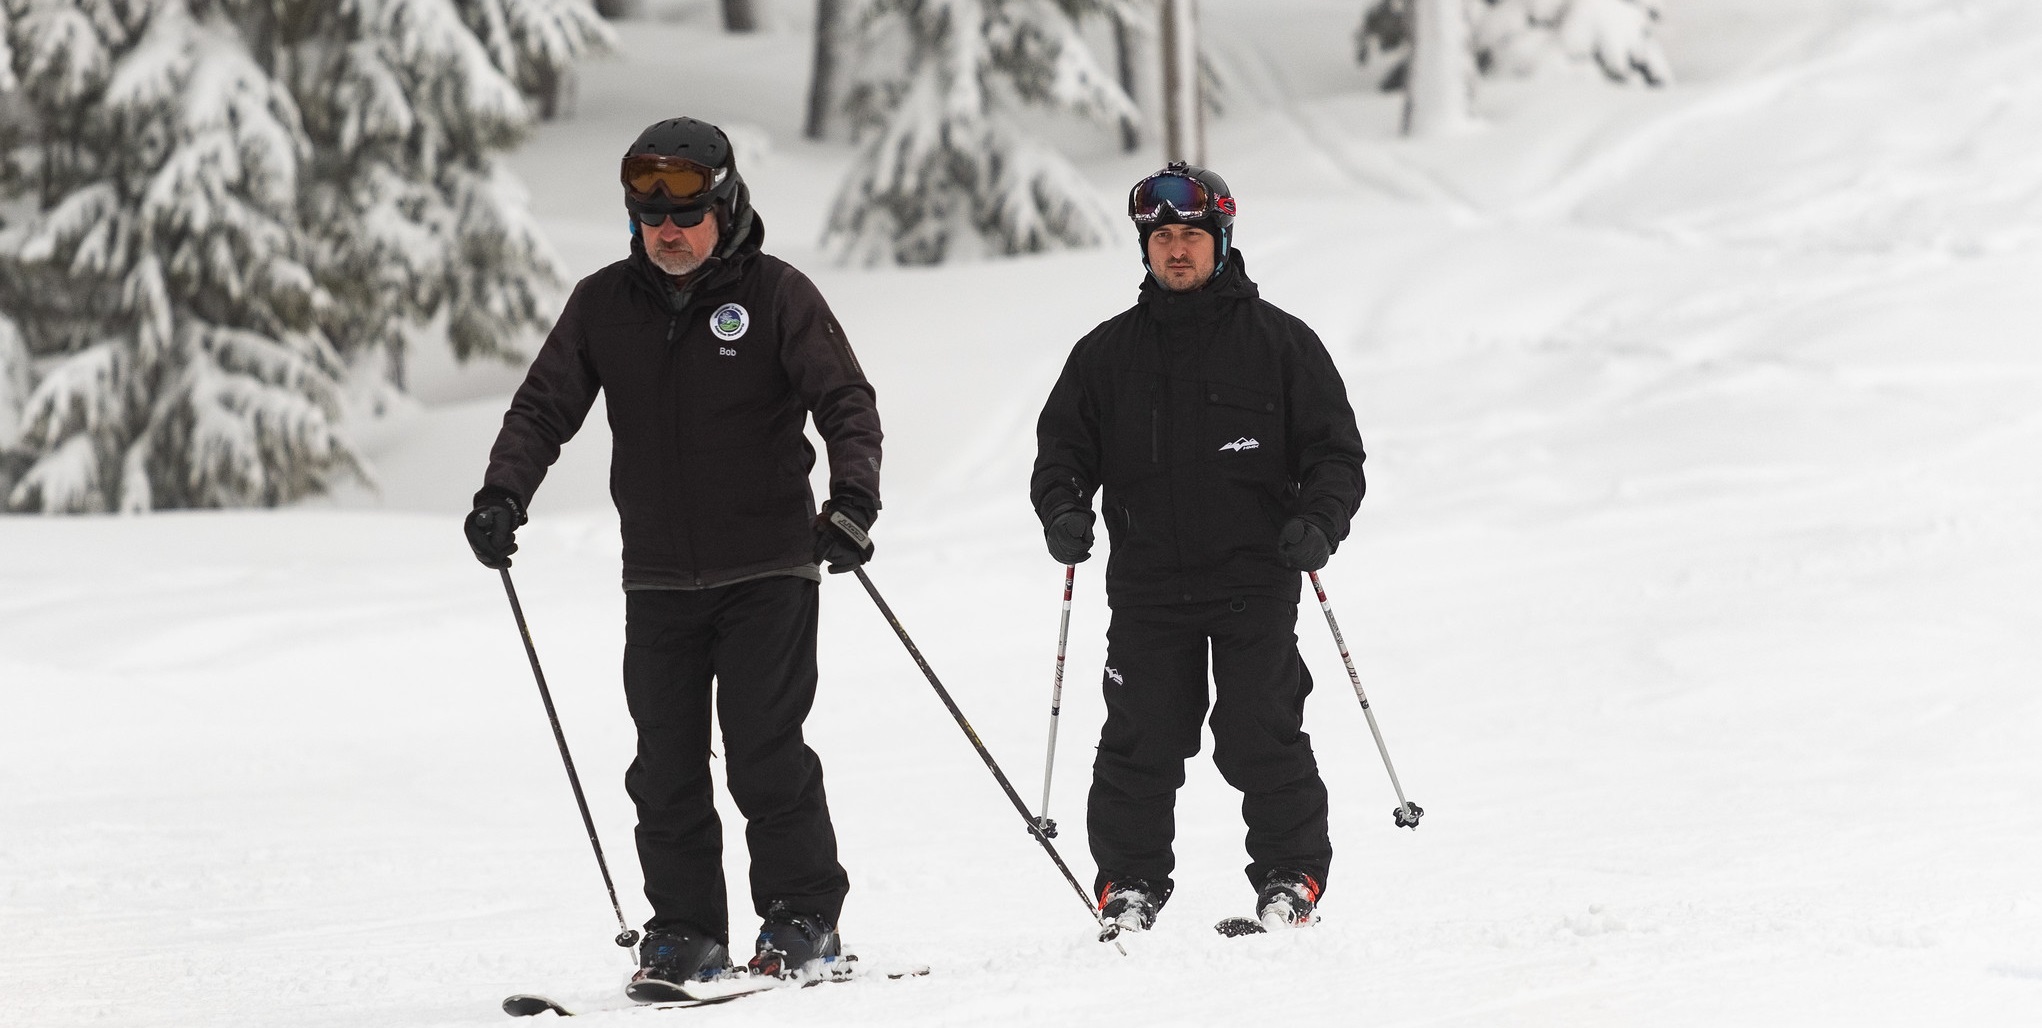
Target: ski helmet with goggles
[(680, 168), (1185, 194)]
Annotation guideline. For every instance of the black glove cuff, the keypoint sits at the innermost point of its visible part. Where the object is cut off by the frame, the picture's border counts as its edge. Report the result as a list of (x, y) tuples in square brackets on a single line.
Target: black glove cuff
[(497, 496), (840, 539), (855, 509)]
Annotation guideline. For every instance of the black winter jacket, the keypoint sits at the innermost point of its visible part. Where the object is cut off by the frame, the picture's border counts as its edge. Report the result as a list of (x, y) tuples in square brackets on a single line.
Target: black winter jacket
[(1208, 418), (707, 389)]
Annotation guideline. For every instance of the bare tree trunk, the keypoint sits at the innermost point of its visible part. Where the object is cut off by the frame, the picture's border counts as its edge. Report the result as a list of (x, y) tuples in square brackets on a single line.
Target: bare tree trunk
[(822, 75), (613, 9), (1440, 83), (548, 89), (740, 16), (1183, 113), (1123, 54)]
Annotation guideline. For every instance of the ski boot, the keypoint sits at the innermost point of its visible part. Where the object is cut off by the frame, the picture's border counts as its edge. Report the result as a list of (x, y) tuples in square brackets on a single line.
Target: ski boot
[(794, 945), (1131, 904), (671, 957), (1289, 899)]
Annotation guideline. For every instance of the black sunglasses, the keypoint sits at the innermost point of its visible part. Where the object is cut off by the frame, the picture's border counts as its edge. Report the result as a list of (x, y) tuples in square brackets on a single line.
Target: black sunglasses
[(685, 217)]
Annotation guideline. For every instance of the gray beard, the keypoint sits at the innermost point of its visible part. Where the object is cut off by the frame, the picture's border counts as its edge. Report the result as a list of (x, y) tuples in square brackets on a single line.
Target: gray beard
[(678, 264)]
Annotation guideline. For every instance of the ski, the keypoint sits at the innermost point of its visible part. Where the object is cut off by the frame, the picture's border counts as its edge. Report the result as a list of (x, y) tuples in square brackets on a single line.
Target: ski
[(678, 995), (1234, 927), (526, 1004)]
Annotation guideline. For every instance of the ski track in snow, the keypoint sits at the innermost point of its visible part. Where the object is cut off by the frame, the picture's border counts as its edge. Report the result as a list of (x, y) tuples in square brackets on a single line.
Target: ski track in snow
[(1695, 593)]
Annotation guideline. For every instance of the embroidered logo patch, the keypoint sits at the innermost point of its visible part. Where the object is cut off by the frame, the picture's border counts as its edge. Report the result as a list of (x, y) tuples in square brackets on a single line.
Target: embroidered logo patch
[(1243, 443), (730, 321), (1115, 675)]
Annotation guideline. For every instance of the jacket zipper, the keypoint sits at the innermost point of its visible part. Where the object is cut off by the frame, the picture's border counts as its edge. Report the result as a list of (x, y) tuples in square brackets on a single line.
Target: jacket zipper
[(1155, 433)]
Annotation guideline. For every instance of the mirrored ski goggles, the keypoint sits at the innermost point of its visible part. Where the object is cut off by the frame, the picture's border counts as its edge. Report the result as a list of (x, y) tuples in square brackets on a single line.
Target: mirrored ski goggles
[(681, 178), (1186, 197)]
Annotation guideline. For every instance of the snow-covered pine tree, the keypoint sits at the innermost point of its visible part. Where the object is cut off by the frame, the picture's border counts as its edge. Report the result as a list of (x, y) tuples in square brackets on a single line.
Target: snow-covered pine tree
[(349, 201), (6, 52), (163, 292), (536, 42), (14, 390), (408, 103), (1618, 38), (946, 171)]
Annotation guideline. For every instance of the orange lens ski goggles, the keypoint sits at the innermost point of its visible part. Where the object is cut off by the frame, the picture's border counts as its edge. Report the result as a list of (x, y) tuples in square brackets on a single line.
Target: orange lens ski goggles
[(682, 179)]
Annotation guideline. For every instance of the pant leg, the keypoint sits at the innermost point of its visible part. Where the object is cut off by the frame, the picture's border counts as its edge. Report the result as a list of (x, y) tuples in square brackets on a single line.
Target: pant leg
[(1259, 743), (766, 681), (1155, 692), (667, 636)]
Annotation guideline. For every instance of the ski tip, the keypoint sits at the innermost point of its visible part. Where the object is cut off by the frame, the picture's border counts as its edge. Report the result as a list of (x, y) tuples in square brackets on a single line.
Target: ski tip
[(527, 1005), (1235, 927), (654, 990)]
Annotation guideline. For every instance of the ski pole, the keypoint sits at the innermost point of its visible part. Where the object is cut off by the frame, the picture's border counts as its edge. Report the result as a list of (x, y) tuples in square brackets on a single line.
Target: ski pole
[(1107, 932), (1407, 812), (626, 937), (1056, 702)]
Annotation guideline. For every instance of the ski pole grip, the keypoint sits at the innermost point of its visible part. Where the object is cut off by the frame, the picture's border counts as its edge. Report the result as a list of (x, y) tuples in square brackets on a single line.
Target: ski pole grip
[(850, 528)]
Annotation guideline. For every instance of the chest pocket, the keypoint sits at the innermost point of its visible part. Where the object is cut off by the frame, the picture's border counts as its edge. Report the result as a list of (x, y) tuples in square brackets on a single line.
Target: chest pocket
[(1241, 423)]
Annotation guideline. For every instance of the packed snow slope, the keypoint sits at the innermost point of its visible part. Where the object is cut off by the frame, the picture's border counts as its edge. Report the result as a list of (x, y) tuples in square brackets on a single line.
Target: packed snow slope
[(1696, 591)]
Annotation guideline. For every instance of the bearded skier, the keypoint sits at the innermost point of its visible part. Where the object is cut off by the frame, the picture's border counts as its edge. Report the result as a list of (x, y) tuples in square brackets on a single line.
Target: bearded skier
[(711, 356)]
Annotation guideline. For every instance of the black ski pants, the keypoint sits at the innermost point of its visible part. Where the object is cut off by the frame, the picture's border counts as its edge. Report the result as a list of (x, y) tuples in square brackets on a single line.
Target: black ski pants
[(1155, 686), (756, 641)]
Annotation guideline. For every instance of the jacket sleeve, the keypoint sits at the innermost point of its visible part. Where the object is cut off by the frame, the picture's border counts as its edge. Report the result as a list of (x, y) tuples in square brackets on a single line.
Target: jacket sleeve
[(1066, 445), (546, 411), (1322, 437), (829, 382)]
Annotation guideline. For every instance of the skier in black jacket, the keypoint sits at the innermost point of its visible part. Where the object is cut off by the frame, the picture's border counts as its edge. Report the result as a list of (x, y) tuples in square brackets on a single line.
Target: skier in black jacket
[(1220, 437), (711, 355)]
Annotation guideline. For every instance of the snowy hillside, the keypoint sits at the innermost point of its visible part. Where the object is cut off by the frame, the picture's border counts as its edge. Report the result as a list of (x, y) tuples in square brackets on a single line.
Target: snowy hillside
[(1698, 590)]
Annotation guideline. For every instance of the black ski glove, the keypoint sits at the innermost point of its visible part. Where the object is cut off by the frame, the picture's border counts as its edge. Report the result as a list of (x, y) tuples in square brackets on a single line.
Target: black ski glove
[(1069, 535), (1302, 546), (840, 539), (492, 527)]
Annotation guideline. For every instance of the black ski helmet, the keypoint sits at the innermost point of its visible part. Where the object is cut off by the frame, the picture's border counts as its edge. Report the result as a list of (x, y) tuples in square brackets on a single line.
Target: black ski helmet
[(1216, 215), (705, 144)]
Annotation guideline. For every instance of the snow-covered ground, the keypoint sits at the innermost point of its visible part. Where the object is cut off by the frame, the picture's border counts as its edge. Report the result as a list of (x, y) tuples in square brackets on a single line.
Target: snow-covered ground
[(1696, 591)]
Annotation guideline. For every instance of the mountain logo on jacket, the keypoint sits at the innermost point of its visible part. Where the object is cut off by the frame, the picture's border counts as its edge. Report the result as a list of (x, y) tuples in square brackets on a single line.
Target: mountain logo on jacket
[(730, 321), (1115, 675), (1243, 443)]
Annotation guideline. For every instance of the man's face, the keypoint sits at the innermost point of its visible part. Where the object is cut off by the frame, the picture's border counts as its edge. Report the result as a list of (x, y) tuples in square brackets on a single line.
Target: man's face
[(1181, 256), (679, 251)]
